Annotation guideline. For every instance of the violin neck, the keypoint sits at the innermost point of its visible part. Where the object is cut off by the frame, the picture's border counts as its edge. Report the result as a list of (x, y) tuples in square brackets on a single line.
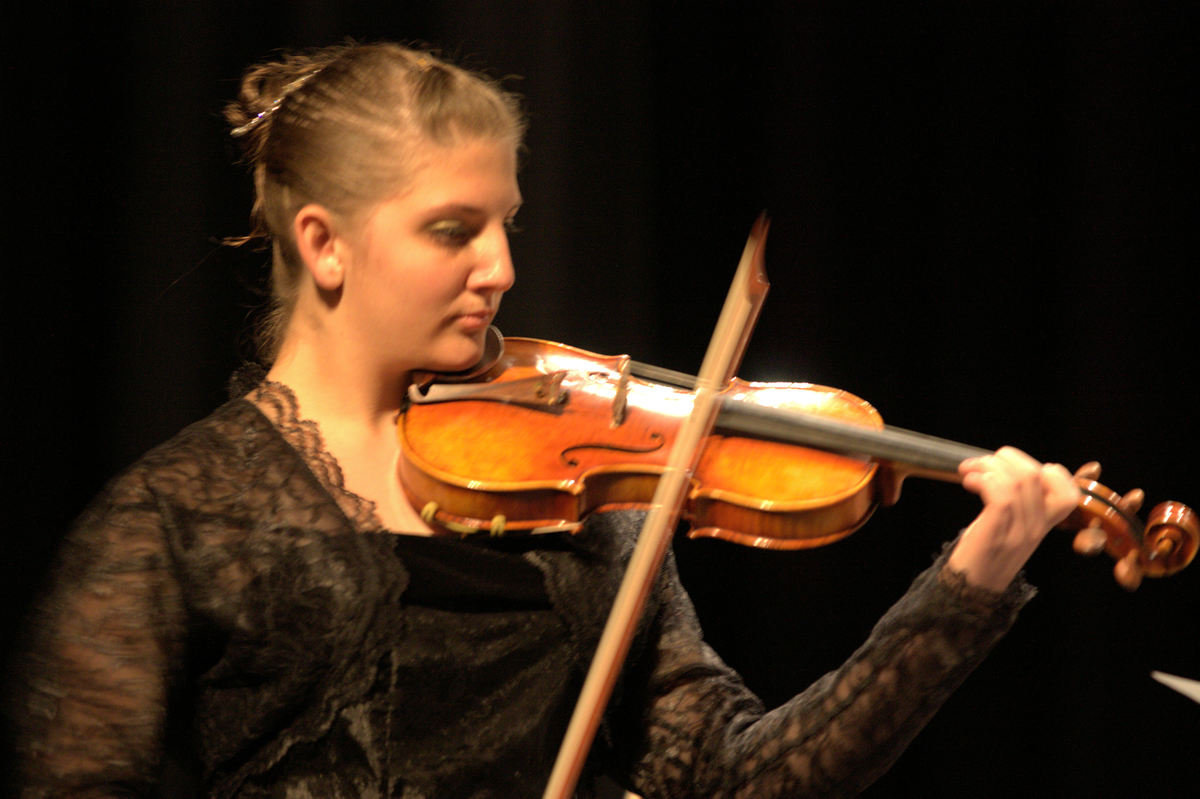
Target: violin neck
[(906, 451), (911, 452)]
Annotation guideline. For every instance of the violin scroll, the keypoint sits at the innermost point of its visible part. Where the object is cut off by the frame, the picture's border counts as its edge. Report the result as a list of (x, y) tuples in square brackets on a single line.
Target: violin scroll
[(1172, 534)]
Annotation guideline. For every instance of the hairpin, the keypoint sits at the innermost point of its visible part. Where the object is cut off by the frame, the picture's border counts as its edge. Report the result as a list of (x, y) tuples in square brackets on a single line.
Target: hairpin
[(242, 130)]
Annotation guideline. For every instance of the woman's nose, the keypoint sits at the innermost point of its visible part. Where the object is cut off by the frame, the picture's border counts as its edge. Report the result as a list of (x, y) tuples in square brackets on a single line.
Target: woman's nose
[(494, 271)]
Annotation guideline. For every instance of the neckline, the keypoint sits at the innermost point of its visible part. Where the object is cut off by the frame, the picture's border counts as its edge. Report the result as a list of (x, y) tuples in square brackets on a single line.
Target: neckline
[(279, 405)]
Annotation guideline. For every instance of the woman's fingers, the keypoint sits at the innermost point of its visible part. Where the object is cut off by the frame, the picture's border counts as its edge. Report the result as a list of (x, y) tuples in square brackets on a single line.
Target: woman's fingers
[(1062, 494), (1022, 500), (1035, 493)]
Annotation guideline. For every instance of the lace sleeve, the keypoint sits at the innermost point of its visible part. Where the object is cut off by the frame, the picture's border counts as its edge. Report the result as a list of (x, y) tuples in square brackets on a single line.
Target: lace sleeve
[(92, 684), (707, 735)]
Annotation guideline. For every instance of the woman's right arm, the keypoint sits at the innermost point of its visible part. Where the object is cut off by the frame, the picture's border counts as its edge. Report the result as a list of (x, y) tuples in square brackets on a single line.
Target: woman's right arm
[(92, 682)]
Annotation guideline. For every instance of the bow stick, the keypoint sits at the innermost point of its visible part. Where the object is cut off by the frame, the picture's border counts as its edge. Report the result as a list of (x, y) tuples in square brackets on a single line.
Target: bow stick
[(724, 355)]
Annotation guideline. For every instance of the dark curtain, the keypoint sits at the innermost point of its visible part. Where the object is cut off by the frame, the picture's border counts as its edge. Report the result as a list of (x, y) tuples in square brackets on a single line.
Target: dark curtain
[(984, 222)]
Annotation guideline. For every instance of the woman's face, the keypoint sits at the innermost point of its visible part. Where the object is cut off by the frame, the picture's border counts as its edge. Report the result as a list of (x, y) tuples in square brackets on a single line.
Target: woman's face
[(429, 266)]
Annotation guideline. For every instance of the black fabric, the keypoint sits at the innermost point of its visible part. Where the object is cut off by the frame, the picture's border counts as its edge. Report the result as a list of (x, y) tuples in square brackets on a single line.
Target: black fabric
[(477, 574)]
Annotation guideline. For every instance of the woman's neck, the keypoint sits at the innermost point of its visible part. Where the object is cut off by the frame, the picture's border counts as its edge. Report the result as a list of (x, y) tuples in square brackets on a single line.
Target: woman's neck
[(340, 387), (355, 410)]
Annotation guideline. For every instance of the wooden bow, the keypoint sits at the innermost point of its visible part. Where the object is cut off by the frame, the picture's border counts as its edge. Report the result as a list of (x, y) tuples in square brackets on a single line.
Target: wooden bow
[(721, 361)]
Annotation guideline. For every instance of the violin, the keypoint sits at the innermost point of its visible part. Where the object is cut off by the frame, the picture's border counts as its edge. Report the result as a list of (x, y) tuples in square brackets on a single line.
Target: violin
[(559, 433)]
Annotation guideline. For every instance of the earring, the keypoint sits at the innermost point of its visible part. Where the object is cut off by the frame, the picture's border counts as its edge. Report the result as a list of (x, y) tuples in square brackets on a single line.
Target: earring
[(328, 273)]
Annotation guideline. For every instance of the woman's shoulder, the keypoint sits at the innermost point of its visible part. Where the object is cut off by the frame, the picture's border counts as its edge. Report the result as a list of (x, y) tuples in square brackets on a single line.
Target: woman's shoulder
[(235, 429), (212, 456), (233, 432)]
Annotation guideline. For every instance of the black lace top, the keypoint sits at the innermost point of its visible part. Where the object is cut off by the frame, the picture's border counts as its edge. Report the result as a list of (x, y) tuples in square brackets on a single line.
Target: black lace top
[(226, 609)]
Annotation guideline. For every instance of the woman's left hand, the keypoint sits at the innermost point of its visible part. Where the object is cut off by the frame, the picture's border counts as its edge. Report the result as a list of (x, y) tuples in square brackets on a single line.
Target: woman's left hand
[(1022, 501)]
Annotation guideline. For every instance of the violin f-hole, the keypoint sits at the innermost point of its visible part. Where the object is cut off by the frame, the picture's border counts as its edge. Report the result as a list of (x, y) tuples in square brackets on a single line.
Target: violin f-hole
[(658, 440)]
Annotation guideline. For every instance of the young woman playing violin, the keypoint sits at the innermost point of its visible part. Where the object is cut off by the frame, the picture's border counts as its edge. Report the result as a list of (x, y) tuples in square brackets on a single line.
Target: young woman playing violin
[(256, 603)]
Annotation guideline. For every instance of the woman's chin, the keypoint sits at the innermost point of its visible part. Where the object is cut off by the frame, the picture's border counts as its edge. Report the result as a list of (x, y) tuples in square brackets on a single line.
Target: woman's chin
[(458, 358)]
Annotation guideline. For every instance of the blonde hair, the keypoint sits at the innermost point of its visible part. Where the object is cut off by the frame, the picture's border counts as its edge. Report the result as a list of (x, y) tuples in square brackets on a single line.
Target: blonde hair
[(338, 127)]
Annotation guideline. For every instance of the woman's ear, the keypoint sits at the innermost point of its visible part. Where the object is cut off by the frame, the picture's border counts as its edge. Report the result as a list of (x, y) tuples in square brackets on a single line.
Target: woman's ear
[(320, 246)]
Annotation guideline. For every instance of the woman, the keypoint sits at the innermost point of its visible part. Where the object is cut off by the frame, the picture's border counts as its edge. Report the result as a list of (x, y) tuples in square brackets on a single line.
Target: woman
[(256, 603)]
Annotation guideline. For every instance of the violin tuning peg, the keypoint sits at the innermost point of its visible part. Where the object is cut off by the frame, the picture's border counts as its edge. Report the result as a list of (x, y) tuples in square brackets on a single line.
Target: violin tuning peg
[(1128, 572), (1090, 541), (1132, 501)]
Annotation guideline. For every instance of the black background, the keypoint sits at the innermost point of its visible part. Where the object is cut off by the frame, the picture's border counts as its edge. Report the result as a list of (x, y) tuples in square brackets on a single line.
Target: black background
[(984, 222)]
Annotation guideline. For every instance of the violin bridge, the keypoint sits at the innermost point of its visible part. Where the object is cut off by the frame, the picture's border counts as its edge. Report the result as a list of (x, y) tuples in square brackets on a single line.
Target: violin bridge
[(620, 402)]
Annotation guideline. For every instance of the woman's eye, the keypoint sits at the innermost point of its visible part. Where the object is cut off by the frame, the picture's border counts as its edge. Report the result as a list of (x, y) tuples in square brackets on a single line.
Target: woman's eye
[(452, 233)]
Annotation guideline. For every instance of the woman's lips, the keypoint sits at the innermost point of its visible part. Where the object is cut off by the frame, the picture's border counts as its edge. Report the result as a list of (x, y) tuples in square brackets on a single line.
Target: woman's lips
[(476, 320)]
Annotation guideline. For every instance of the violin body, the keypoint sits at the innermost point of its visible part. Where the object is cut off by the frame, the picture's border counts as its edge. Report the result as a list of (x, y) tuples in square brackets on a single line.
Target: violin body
[(552, 433)]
